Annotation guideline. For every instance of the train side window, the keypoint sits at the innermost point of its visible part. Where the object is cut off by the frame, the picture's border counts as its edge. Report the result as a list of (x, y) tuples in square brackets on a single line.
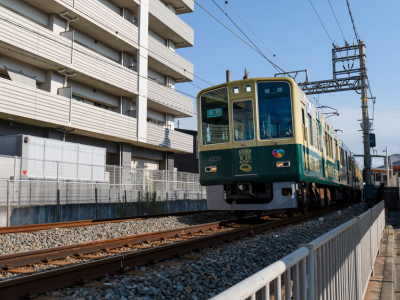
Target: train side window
[(304, 125), (336, 150), (319, 134), (341, 157), (310, 130)]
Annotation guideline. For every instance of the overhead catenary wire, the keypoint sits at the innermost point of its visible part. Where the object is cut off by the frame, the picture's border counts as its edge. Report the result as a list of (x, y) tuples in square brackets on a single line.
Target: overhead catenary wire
[(344, 38), (271, 62), (256, 36), (352, 22), (321, 22), (234, 23)]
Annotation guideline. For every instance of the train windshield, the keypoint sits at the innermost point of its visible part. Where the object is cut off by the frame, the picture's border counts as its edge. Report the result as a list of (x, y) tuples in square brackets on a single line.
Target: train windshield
[(215, 117), (275, 110)]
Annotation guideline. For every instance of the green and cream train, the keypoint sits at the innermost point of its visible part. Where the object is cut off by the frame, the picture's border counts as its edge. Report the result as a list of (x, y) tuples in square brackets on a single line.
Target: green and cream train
[(263, 145)]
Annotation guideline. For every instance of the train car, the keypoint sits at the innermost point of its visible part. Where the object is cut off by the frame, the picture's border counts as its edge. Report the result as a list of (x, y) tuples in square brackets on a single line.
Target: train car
[(263, 145)]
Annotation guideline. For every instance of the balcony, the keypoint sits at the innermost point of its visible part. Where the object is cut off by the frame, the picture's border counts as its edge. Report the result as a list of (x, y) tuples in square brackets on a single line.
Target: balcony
[(101, 23), (94, 65), (31, 104), (96, 20), (168, 100), (90, 119), (26, 35), (165, 138), (182, 6), (168, 25), (39, 108), (93, 69), (167, 62)]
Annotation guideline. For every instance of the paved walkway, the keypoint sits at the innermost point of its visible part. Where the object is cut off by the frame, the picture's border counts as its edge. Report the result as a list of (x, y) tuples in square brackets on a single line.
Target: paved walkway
[(385, 283)]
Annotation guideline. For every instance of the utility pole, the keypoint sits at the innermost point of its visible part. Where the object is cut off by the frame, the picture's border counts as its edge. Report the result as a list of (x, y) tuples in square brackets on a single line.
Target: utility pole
[(387, 168), (365, 118)]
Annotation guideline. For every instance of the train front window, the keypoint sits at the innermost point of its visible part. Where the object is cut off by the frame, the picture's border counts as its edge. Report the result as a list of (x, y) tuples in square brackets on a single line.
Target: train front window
[(275, 110), (215, 117), (243, 124)]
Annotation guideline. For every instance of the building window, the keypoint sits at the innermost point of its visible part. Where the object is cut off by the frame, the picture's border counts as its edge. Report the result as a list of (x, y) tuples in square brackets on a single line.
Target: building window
[(155, 121), (76, 98), (83, 100)]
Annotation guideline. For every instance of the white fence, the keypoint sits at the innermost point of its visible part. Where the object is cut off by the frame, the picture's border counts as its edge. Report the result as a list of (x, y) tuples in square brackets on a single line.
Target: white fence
[(124, 191), (335, 266)]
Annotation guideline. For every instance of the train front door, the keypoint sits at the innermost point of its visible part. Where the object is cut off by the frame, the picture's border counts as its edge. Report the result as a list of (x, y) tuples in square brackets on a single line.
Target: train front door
[(244, 140)]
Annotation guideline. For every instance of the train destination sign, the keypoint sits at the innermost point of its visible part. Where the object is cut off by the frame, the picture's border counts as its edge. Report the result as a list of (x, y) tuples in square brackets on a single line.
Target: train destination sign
[(215, 112)]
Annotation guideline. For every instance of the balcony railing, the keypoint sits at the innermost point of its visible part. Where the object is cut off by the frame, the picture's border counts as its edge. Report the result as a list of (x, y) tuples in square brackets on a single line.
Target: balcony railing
[(164, 137), (105, 122), (170, 59), (170, 98), (38, 41), (159, 11), (31, 37), (29, 104), (111, 26)]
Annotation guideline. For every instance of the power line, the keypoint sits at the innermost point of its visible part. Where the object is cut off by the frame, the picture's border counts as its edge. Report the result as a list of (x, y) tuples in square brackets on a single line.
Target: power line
[(272, 63), (256, 36), (352, 21), (202, 79), (321, 22), (337, 20), (238, 27), (195, 85)]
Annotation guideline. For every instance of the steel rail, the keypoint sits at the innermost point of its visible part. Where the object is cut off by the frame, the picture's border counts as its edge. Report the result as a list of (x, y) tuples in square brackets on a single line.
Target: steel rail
[(27, 286), (83, 223)]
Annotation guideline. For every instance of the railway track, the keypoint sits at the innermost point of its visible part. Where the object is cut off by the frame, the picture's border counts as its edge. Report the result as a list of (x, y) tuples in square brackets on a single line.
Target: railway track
[(37, 227), (80, 263)]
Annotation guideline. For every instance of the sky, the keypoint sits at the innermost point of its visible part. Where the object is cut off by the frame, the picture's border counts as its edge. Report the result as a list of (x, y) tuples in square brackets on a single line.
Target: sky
[(293, 32)]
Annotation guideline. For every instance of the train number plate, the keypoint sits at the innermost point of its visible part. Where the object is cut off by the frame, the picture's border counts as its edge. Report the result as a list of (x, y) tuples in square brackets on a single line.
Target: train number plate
[(214, 158)]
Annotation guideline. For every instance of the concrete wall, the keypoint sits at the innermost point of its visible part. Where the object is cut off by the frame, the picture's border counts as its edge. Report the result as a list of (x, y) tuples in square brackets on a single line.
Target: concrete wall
[(36, 214)]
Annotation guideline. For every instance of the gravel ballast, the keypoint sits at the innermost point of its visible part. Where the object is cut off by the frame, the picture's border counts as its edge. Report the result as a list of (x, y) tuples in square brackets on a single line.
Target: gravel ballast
[(203, 275), (56, 237)]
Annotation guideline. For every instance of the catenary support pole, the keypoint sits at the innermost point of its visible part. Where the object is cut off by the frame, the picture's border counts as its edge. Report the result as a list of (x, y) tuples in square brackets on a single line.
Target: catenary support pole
[(387, 168), (365, 118)]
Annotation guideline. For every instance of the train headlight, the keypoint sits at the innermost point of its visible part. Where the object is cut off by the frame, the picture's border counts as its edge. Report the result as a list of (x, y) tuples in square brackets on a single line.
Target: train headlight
[(235, 90), (247, 88), (283, 164), (212, 169)]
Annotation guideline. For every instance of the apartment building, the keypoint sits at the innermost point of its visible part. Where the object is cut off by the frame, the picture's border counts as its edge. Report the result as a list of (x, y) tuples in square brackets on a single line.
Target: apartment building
[(98, 72)]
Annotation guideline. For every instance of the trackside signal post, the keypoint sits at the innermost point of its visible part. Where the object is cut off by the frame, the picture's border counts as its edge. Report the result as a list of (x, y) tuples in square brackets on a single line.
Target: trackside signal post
[(348, 79)]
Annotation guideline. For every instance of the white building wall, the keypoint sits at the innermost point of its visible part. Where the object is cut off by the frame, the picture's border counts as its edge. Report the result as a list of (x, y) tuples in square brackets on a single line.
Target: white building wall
[(49, 54)]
